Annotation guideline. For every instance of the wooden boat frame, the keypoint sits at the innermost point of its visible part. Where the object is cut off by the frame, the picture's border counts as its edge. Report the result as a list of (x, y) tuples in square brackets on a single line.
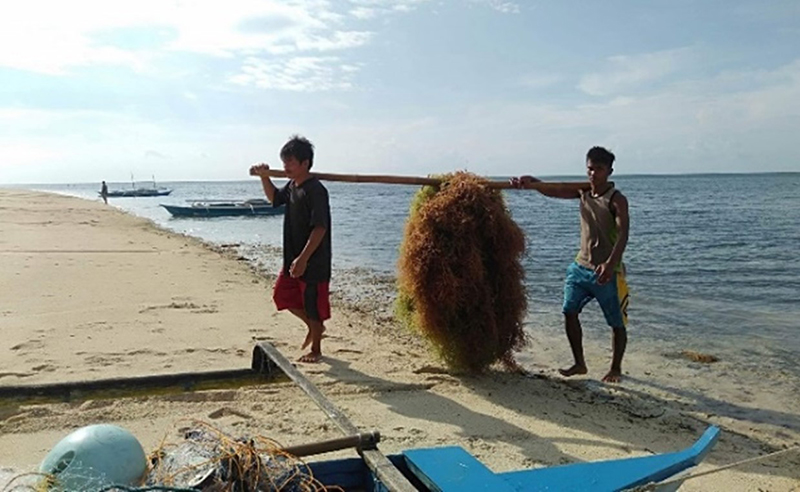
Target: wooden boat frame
[(440, 469), (452, 469)]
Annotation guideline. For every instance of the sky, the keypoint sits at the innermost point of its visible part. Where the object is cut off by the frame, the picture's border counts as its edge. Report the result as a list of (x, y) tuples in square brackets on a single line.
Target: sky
[(200, 90)]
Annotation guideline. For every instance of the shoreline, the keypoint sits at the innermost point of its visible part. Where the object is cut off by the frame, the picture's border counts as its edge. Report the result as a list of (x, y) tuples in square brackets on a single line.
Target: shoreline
[(381, 376), (721, 391)]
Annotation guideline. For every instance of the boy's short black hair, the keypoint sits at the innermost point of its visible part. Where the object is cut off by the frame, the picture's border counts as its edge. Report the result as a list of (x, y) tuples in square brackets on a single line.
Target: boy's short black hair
[(299, 148), (600, 155)]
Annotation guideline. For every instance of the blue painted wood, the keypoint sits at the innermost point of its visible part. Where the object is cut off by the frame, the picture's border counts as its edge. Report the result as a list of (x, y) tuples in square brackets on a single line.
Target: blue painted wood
[(353, 474), (349, 473), (452, 469), (612, 475)]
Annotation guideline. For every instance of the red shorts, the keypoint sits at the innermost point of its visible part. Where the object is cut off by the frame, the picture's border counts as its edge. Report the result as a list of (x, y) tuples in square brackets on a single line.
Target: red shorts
[(311, 297)]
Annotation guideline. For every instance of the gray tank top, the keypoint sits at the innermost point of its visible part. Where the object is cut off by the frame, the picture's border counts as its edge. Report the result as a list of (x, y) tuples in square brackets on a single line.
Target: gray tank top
[(598, 229)]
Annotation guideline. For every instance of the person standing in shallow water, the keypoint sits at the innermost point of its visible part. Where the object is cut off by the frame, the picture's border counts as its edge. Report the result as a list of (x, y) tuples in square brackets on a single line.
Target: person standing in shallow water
[(302, 285), (598, 271), (104, 192)]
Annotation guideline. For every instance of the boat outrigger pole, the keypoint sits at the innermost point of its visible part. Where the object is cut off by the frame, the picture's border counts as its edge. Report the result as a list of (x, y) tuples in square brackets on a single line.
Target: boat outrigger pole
[(264, 354)]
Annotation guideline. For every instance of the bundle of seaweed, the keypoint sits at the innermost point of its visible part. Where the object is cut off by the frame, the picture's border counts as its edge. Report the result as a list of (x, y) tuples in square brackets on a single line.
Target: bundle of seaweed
[(460, 279)]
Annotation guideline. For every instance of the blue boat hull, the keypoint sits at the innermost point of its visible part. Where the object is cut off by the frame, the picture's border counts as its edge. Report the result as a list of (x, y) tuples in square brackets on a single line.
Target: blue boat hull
[(353, 475), (452, 469), (222, 211)]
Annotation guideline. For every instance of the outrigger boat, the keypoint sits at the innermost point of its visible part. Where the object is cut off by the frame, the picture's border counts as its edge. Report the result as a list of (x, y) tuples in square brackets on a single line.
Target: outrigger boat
[(436, 469), (453, 469), (224, 209), (140, 191)]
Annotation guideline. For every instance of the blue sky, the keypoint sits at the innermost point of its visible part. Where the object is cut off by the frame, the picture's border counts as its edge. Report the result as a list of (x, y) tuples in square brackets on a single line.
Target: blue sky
[(183, 90)]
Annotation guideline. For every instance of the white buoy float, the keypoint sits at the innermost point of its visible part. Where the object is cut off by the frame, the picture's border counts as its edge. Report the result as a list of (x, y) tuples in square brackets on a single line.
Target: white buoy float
[(94, 457)]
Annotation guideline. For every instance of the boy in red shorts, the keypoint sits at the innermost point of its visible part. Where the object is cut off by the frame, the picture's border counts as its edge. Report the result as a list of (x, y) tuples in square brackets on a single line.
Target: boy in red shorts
[(302, 285)]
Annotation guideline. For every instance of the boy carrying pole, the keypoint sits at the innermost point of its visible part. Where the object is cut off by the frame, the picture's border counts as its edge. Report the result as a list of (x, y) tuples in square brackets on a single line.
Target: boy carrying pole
[(302, 285), (598, 271)]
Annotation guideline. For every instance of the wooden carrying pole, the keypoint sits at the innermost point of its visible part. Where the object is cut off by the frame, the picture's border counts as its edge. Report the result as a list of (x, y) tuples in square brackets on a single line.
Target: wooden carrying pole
[(414, 180)]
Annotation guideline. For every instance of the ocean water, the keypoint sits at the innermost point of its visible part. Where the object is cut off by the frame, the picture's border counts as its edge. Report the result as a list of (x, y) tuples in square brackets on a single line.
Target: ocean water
[(712, 260)]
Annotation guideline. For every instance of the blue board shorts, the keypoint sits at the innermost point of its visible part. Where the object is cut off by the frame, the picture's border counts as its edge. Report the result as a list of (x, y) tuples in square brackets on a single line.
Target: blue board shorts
[(581, 286)]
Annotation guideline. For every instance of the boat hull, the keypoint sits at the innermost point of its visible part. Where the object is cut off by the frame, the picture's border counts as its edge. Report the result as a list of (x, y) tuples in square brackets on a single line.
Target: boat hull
[(451, 469), (216, 211), (141, 192)]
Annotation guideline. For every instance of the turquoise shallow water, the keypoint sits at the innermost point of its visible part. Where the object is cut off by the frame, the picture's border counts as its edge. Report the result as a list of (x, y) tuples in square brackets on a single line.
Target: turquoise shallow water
[(712, 259)]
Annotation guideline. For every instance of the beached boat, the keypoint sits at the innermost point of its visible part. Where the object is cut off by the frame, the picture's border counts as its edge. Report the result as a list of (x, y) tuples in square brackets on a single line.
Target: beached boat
[(140, 192), (224, 209), (453, 469), (436, 469), (445, 469)]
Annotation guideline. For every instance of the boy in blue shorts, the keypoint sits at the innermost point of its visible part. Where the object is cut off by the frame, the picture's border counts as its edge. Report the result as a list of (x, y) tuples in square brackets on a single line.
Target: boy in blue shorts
[(598, 271)]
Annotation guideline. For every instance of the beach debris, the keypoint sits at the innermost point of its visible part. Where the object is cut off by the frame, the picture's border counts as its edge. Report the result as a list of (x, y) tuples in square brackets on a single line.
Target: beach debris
[(210, 460), (691, 355), (95, 456), (699, 357), (106, 458), (460, 279)]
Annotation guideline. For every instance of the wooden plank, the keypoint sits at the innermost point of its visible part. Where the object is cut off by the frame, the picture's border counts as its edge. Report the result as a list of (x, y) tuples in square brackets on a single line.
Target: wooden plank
[(333, 413), (380, 465), (118, 387), (452, 469)]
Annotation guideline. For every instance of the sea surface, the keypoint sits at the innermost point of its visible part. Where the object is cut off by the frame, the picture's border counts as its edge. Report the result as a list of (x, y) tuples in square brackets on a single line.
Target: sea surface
[(713, 261)]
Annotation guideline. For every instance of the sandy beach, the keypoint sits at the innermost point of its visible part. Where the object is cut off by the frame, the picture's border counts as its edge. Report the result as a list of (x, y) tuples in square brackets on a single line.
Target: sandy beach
[(91, 292)]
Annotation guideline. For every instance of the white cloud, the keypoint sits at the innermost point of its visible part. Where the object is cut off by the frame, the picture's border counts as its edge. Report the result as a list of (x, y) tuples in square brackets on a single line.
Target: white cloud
[(53, 37), (679, 128), (23, 154), (369, 9), (302, 74), (364, 13), (682, 127), (503, 6), (81, 146), (628, 72)]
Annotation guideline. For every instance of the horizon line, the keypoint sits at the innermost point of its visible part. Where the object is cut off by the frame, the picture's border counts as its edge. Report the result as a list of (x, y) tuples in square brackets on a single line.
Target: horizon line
[(633, 175)]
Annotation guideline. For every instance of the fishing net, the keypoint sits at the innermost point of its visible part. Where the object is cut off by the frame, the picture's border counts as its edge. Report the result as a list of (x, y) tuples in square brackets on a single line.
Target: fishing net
[(460, 277), (205, 459)]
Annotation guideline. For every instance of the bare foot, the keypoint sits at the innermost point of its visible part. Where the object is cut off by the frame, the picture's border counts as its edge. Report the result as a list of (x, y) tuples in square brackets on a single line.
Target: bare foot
[(613, 376), (573, 371), (311, 357), (308, 339)]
